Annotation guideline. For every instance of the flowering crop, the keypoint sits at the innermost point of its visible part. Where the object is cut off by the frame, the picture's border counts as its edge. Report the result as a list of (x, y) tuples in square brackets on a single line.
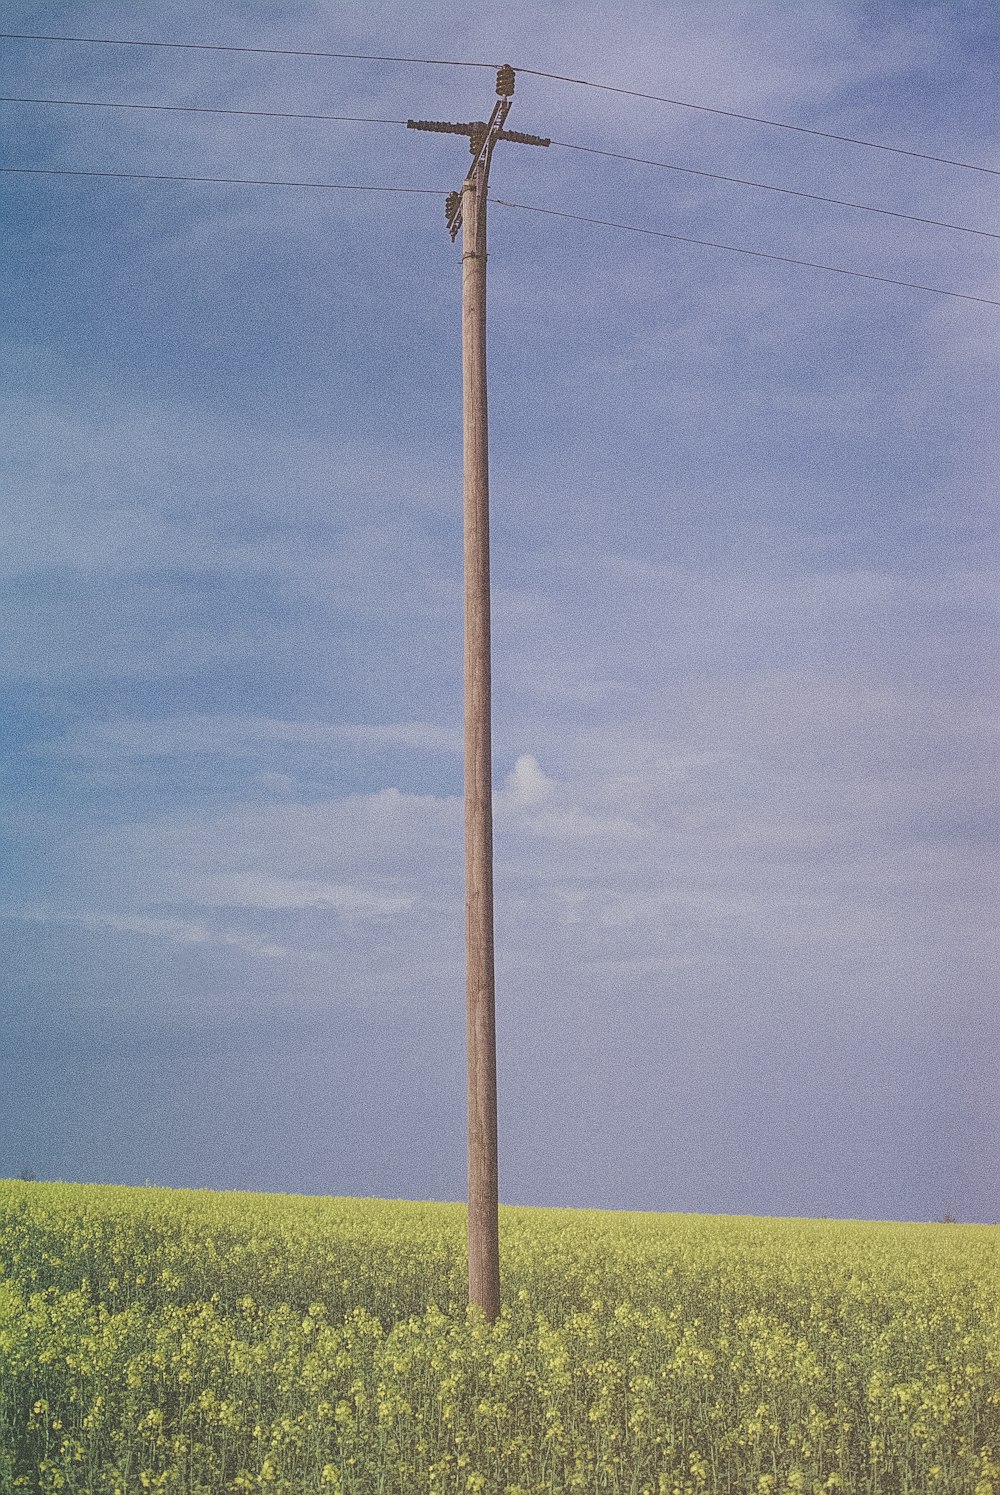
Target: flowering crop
[(205, 1343)]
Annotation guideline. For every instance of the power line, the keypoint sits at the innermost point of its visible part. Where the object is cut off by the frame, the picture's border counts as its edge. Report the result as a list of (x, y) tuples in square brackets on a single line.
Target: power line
[(758, 254), (715, 176), (756, 119), (632, 228), (119, 41), (564, 144), (528, 72), (230, 181), (354, 119)]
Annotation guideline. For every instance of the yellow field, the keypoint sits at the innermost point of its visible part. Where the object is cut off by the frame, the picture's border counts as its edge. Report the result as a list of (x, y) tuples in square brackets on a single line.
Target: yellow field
[(195, 1342)]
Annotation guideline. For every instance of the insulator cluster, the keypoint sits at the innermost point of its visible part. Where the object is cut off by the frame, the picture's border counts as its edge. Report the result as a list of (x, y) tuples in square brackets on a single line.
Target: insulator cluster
[(522, 138), (442, 126)]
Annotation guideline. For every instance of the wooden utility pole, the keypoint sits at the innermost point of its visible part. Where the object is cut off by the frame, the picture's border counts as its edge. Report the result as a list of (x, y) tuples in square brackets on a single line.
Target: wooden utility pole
[(467, 210)]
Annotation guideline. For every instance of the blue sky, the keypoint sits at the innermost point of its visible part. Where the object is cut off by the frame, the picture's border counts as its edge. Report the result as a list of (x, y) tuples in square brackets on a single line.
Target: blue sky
[(744, 613)]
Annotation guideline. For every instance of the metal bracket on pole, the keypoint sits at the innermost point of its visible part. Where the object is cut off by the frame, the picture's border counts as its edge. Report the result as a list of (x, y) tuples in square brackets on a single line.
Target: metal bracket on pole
[(483, 136)]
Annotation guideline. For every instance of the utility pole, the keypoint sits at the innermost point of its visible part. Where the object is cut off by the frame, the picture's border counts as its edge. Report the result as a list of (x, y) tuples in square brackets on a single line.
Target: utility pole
[(466, 210)]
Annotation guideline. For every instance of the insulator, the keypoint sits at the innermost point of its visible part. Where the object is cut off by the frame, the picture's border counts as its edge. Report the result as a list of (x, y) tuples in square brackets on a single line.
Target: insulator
[(440, 125), (452, 204), (505, 81), (523, 139), (477, 138)]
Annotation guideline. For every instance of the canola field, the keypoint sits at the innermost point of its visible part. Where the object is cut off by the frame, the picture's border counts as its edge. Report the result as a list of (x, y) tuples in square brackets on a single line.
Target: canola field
[(207, 1343)]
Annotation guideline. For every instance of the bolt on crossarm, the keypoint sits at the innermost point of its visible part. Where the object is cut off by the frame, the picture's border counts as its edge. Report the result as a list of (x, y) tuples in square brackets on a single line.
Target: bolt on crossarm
[(466, 210)]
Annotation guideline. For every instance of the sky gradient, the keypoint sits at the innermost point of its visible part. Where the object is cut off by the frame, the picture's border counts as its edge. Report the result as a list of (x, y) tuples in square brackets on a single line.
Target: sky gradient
[(744, 588)]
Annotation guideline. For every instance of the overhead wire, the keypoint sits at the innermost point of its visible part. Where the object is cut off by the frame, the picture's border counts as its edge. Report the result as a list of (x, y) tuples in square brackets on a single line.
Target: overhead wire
[(230, 181), (756, 119), (525, 207), (632, 93), (592, 150), (354, 119), (715, 176), (784, 259), (632, 228), (120, 41)]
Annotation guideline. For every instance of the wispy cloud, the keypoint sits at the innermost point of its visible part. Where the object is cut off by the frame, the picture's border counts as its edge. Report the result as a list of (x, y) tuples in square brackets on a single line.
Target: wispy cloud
[(172, 930), (230, 734)]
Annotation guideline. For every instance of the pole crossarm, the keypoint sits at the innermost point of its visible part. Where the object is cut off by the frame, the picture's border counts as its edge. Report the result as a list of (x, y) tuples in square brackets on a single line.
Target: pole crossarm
[(482, 136)]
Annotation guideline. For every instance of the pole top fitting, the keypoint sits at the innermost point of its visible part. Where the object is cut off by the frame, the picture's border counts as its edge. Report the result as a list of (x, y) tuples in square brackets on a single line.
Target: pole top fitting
[(505, 81)]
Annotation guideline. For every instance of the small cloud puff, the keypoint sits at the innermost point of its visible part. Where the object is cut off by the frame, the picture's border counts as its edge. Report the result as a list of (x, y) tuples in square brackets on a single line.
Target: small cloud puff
[(527, 785)]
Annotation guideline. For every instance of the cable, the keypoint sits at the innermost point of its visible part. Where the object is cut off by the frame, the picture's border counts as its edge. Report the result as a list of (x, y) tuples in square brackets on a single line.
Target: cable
[(758, 254), (528, 72), (715, 176), (568, 145), (755, 119), (353, 119), (230, 181), (118, 41), (632, 228)]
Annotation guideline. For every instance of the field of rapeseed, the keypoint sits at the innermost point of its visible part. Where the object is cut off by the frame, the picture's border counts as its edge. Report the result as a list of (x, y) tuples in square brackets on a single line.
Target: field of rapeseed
[(209, 1343)]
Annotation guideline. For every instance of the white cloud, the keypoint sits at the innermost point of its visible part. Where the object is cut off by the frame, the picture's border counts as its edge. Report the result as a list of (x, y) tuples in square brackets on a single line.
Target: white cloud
[(526, 785)]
